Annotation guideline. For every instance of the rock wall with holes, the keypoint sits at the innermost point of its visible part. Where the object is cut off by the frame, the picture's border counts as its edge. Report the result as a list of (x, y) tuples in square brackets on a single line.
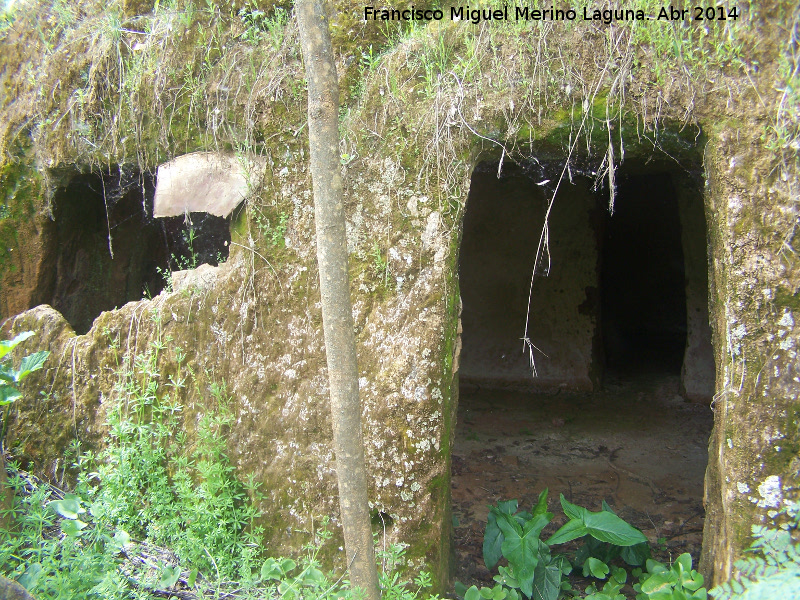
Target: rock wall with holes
[(413, 134), (254, 324)]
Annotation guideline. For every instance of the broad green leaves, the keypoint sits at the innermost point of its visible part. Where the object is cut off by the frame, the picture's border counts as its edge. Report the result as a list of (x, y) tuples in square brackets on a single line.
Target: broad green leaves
[(8, 394), (9, 376), (493, 538), (515, 536), (498, 592), (635, 555), (546, 580), (31, 575), (120, 540), (680, 582), (541, 506), (32, 362), (73, 528), (169, 576), (69, 508), (572, 530), (276, 569), (7, 346), (595, 567), (603, 525), (521, 547), (607, 527), (611, 588), (289, 585)]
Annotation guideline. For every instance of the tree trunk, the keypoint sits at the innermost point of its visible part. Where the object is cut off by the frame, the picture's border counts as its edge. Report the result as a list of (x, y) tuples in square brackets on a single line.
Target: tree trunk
[(337, 311)]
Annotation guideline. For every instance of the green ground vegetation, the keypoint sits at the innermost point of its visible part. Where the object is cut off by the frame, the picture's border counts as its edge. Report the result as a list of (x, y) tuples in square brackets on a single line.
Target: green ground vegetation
[(616, 558), (152, 514)]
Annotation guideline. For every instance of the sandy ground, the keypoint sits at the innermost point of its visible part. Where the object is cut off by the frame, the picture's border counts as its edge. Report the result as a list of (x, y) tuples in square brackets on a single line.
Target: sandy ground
[(637, 444)]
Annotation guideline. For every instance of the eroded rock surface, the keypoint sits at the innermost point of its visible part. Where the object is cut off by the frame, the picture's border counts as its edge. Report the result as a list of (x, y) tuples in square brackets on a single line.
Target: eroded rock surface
[(254, 324)]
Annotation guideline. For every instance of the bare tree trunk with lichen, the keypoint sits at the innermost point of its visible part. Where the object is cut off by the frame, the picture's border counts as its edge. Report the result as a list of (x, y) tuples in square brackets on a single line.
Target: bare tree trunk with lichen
[(337, 311)]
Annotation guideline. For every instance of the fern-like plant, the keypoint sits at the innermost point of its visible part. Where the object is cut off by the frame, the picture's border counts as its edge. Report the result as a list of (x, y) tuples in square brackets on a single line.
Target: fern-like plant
[(772, 568)]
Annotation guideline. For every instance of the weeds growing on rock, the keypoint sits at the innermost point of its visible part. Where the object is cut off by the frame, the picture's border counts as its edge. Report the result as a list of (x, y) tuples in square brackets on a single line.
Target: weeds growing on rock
[(380, 264), (152, 487), (10, 378), (146, 486), (274, 230), (153, 515)]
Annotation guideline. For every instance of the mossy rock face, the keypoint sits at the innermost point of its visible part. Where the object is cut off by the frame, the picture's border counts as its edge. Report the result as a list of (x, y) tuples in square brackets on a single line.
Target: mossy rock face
[(24, 239), (267, 347), (756, 336), (421, 111), (137, 7)]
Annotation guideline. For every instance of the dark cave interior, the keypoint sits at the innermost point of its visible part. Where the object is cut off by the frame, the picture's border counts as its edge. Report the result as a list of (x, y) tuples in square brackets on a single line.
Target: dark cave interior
[(618, 313), (643, 298), (104, 249), (613, 293)]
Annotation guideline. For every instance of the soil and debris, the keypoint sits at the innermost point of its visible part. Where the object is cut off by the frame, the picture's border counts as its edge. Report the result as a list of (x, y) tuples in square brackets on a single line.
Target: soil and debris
[(636, 444)]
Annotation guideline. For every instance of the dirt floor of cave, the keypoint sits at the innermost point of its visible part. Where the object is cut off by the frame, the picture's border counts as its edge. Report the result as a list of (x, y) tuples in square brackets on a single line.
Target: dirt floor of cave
[(637, 444)]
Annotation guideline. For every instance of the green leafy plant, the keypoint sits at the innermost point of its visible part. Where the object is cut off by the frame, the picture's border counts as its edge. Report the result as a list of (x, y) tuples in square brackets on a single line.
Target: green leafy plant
[(189, 501), (603, 525), (189, 236), (612, 588), (259, 26), (191, 259), (11, 377), (60, 547), (534, 570), (146, 513), (678, 582), (498, 592), (166, 274), (370, 59), (180, 262), (380, 264), (274, 232), (64, 546)]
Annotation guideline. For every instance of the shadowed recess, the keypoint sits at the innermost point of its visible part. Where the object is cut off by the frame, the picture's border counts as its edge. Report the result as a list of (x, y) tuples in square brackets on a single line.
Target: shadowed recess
[(104, 249), (613, 293), (619, 314)]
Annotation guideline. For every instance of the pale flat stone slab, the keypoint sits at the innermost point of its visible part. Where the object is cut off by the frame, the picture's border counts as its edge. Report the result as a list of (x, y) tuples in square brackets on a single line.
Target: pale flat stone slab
[(201, 278), (205, 182)]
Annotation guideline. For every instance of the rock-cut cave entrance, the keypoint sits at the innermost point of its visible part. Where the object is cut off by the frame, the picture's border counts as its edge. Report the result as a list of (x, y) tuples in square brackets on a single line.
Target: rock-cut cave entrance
[(103, 247), (619, 408)]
